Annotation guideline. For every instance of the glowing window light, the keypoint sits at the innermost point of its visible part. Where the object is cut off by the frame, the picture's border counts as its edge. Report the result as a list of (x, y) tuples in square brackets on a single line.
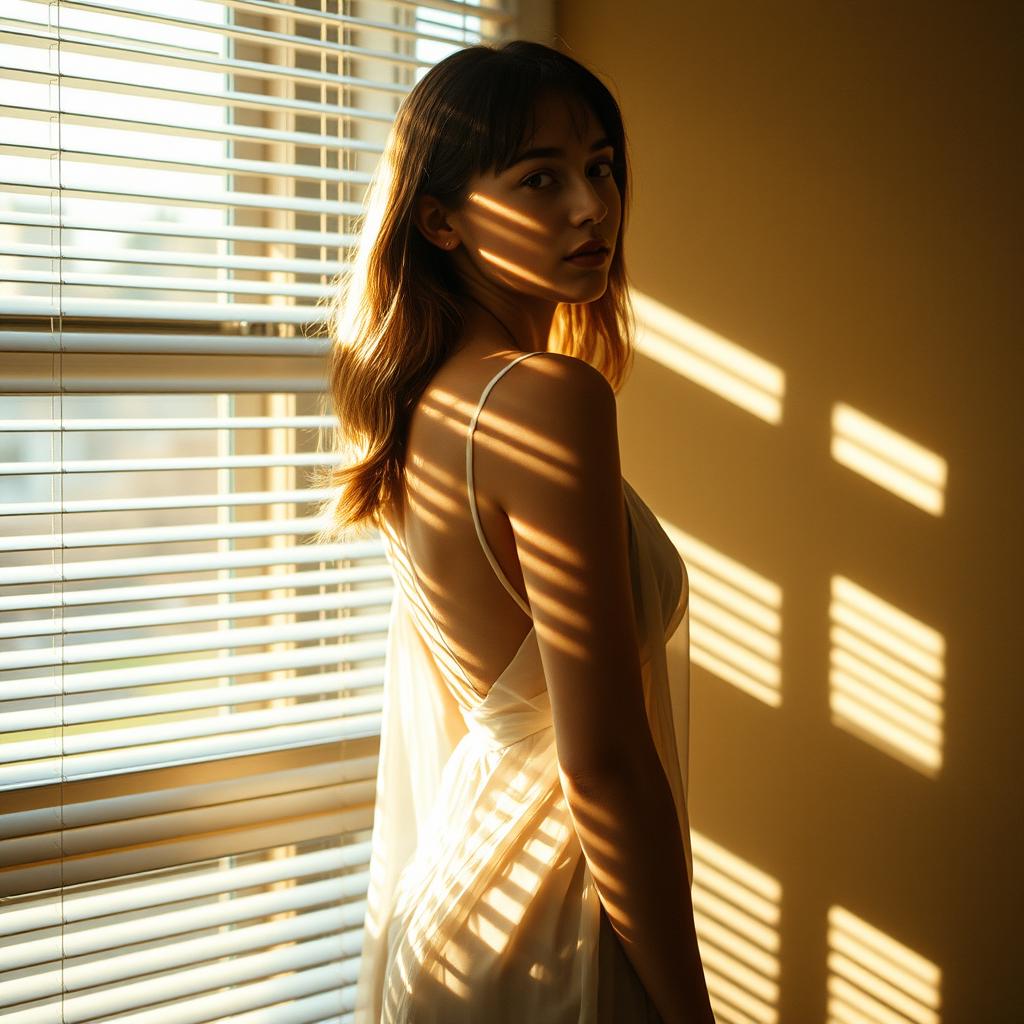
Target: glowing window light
[(901, 466), (735, 619), (737, 911), (706, 358), (885, 677), (873, 978)]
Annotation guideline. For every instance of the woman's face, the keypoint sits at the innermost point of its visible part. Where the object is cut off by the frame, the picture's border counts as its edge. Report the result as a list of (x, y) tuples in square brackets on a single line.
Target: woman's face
[(517, 227)]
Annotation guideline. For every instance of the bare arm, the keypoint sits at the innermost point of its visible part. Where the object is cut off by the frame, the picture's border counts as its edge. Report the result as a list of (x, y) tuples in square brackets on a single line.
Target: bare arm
[(630, 836), (562, 491)]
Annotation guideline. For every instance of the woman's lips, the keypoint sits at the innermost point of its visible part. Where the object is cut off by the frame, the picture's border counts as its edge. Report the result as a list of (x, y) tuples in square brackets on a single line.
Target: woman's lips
[(593, 257)]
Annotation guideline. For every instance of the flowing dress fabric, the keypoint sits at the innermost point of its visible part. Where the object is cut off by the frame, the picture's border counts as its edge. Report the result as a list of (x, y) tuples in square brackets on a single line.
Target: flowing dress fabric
[(481, 906)]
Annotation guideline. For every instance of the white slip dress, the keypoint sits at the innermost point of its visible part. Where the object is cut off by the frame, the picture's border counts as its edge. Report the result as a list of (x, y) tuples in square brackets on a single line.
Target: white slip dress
[(481, 907)]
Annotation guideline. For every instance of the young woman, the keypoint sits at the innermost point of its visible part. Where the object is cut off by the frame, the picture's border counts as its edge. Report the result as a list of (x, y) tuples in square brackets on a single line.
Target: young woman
[(530, 852)]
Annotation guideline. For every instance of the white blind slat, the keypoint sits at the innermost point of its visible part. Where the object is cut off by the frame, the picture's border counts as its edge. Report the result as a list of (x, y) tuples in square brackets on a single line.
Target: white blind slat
[(194, 130), (189, 700), (169, 259), (198, 588), (80, 222), (166, 422), (226, 611), (146, 736), (188, 642), (151, 465), (37, 508), (50, 766), (70, 305), (42, 687), (158, 565), (42, 913), (322, 1008), (165, 283), (168, 534), (121, 998), (195, 669), (119, 968)]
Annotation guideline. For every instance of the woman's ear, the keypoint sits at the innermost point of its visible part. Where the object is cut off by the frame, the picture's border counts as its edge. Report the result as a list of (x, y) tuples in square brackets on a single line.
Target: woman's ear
[(431, 220)]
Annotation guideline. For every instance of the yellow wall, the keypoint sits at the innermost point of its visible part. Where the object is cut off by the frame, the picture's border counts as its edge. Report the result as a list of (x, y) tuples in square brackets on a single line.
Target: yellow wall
[(826, 188)]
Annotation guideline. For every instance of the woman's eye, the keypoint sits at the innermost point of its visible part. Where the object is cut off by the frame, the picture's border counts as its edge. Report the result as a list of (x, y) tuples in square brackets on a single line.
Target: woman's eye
[(541, 174), (537, 174)]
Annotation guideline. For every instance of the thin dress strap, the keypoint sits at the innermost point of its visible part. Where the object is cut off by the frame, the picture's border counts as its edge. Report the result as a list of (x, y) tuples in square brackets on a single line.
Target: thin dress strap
[(472, 493)]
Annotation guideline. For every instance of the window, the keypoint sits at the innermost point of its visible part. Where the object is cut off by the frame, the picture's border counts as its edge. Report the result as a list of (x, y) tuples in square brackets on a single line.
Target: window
[(189, 685)]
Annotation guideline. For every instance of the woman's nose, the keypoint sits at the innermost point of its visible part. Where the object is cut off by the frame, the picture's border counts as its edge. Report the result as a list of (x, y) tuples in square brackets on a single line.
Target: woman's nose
[(589, 203)]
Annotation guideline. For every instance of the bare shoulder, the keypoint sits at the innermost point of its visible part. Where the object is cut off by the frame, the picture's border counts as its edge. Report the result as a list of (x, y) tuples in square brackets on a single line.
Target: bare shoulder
[(567, 376), (551, 419)]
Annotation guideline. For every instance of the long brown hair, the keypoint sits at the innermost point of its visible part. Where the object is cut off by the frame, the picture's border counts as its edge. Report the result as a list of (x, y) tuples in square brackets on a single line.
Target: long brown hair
[(395, 317)]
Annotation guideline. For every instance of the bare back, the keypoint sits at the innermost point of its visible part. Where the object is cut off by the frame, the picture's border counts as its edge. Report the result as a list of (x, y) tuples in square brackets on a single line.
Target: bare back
[(482, 623)]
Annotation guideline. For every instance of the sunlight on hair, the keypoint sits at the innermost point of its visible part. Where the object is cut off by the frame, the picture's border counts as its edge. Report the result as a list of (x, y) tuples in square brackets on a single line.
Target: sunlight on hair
[(737, 913), (894, 462), (696, 352), (736, 619), (873, 978), (885, 678)]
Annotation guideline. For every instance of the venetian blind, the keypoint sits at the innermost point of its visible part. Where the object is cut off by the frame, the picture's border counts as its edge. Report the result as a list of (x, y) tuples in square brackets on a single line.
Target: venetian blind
[(189, 684)]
